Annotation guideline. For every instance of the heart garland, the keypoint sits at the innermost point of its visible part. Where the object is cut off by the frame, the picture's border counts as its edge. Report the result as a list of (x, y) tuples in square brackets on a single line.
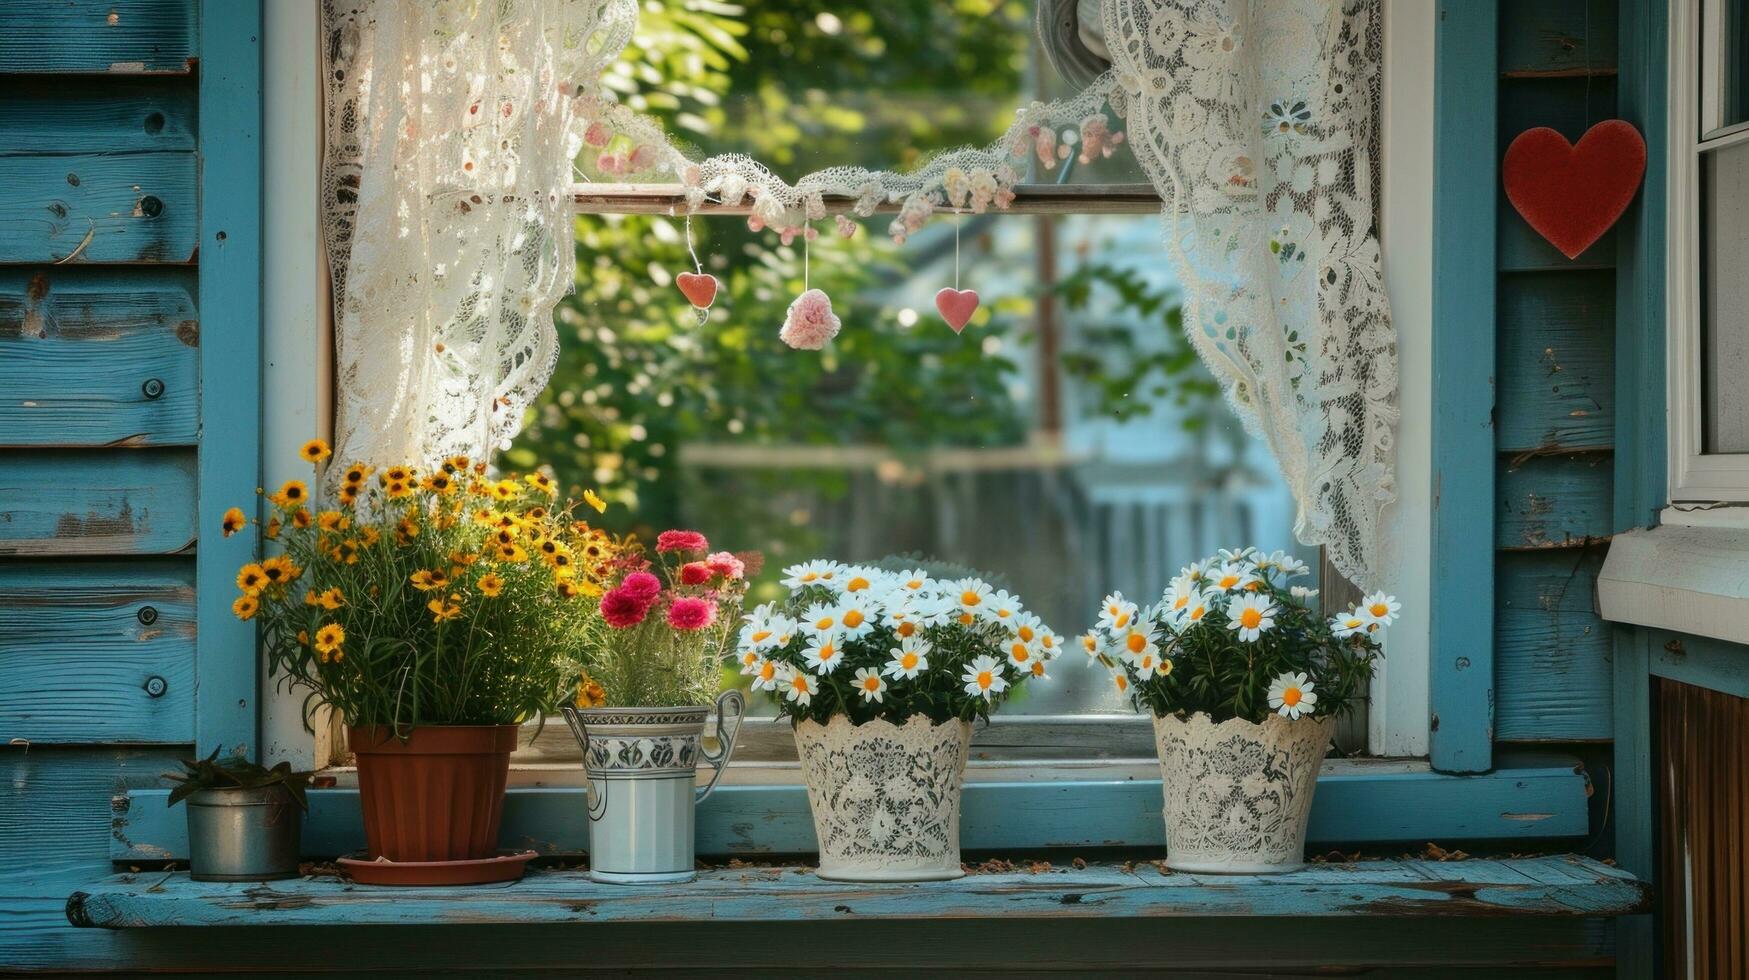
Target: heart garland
[(1573, 194)]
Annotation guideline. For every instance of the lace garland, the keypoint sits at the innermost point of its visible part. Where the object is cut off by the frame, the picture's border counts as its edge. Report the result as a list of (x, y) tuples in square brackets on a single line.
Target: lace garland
[(1254, 120), (450, 137)]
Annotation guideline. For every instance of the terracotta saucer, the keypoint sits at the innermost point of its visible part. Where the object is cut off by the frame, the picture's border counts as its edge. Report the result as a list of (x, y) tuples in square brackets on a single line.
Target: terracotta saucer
[(506, 866)]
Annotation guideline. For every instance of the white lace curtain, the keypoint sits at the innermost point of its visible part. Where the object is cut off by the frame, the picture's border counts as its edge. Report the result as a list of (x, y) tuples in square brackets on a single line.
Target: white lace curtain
[(1255, 120), (448, 156)]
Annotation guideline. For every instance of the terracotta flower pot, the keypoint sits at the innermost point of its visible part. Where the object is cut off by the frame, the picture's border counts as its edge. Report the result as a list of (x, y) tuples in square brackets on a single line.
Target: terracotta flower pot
[(438, 795)]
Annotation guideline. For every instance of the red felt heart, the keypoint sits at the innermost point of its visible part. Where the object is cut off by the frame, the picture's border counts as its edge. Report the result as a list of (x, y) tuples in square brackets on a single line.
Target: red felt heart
[(1572, 194), (699, 288), (956, 306)]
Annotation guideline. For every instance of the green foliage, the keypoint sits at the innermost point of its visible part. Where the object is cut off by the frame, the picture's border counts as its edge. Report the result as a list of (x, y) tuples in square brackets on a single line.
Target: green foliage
[(236, 772), (1126, 377)]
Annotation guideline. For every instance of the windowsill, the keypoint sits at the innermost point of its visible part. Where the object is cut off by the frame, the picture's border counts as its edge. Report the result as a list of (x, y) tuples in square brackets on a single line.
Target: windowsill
[(1559, 885), (1688, 578), (1534, 797)]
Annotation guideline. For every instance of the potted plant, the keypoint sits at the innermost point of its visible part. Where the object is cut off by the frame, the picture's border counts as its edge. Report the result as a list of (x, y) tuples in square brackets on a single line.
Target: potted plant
[(882, 673), (644, 699), (244, 819), (1245, 680), (434, 611)]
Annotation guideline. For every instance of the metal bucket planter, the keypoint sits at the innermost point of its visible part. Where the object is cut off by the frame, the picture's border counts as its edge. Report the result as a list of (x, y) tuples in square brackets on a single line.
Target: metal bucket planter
[(240, 834), (886, 797), (641, 764), (1238, 794)]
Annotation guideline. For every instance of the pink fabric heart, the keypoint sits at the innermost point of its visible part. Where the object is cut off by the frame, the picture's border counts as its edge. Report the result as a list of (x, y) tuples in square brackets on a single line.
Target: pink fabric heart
[(956, 306), (699, 288)]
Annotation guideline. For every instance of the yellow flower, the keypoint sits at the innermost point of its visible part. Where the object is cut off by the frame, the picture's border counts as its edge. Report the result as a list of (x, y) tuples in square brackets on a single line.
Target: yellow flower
[(315, 451), (504, 536), (396, 474), (442, 609), (511, 552), (251, 579), (590, 693), (438, 482), (245, 606), (405, 531), (568, 589), (293, 494), (346, 552), (300, 518), (396, 489), (234, 521), (371, 536), (591, 589), (348, 494), (541, 482), (333, 520), (506, 490), (590, 498), (331, 598), (456, 464), (329, 640), (535, 514), (280, 570), (427, 579), (491, 584), (479, 488), (463, 558), (356, 474), (271, 532)]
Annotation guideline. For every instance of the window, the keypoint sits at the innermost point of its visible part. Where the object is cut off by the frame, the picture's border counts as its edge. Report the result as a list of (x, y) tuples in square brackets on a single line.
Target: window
[(1709, 247)]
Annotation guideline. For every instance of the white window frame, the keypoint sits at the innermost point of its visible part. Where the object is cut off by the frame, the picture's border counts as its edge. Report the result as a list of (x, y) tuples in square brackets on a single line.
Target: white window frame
[(298, 399), (1695, 77)]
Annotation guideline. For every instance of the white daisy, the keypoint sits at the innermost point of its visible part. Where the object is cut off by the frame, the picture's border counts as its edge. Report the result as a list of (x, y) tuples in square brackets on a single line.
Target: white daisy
[(1303, 593), (870, 685), (824, 654), (1092, 644), (1196, 571), (820, 619), (764, 629), (1121, 681), (912, 582), (971, 596), (1026, 627), (1198, 608), (817, 572), (1383, 609), (1139, 641), (1238, 556), (765, 675), (1049, 644), (910, 658), (1290, 566), (798, 686), (983, 676), (1252, 616), (1003, 608), (1349, 623), (1020, 654), (1117, 614), (750, 660), (856, 617), (1038, 670), (860, 579), (1179, 596), (1232, 577), (1290, 695), (1149, 661)]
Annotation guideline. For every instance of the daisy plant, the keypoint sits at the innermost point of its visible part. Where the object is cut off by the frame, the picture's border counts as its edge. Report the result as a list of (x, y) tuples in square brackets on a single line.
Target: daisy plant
[(870, 643), (670, 622), (1232, 637), (440, 597)]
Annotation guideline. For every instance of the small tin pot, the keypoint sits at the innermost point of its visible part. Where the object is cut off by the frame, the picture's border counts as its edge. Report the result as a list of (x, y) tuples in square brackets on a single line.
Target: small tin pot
[(243, 834)]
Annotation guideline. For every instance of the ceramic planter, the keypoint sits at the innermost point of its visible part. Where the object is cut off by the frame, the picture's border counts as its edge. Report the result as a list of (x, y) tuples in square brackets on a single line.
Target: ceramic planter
[(885, 797), (437, 795), (243, 834), (641, 765), (1238, 793)]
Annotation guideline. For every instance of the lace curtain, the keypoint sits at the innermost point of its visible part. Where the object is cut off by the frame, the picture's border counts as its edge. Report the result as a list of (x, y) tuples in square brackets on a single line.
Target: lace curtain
[(1254, 119), (448, 156)]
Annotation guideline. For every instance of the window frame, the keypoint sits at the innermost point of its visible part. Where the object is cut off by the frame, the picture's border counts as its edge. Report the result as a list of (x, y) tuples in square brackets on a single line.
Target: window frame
[(1695, 476)]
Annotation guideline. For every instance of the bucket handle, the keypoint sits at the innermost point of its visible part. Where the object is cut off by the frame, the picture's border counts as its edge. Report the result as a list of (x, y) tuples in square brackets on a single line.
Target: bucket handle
[(596, 797), (726, 736)]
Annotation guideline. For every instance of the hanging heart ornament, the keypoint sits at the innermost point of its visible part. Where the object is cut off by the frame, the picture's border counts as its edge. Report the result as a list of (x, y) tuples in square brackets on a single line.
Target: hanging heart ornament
[(700, 289), (1572, 194), (956, 306)]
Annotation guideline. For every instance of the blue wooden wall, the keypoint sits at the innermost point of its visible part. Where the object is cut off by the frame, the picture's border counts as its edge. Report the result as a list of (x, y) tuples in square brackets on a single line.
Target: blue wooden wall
[(129, 328)]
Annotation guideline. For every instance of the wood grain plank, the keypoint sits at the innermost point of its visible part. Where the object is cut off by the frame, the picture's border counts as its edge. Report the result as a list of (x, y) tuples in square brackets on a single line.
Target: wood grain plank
[(1554, 653), (94, 653), (95, 208), (1557, 361), (121, 37), (65, 116), (1558, 35), (98, 357), (57, 807), (1554, 501), (1469, 888), (121, 502)]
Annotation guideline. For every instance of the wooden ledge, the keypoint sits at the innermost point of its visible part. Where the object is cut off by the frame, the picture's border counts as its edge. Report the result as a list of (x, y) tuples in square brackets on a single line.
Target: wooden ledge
[(1558, 885)]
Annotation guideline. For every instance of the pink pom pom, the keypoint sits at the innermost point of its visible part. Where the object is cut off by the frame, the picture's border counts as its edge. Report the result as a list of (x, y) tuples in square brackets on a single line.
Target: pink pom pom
[(755, 223), (811, 322), (597, 134)]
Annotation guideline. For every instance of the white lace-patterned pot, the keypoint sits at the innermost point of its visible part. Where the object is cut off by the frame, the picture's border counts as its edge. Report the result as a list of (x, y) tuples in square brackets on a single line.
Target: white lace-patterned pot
[(1238, 794), (886, 797)]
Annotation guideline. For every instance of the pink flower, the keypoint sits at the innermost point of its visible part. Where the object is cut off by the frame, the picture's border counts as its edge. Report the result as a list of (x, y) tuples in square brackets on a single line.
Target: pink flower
[(597, 134), (695, 573), (681, 541), (641, 586), (623, 610), (727, 565), (811, 322), (691, 613)]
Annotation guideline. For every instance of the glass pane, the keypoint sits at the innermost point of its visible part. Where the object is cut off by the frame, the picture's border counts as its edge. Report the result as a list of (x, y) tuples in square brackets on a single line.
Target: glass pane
[(1068, 442), (1725, 299), (1733, 54)]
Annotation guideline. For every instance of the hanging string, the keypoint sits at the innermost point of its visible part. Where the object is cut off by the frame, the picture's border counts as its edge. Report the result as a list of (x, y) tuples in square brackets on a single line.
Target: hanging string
[(697, 266), (956, 249), (804, 263), (1587, 43)]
